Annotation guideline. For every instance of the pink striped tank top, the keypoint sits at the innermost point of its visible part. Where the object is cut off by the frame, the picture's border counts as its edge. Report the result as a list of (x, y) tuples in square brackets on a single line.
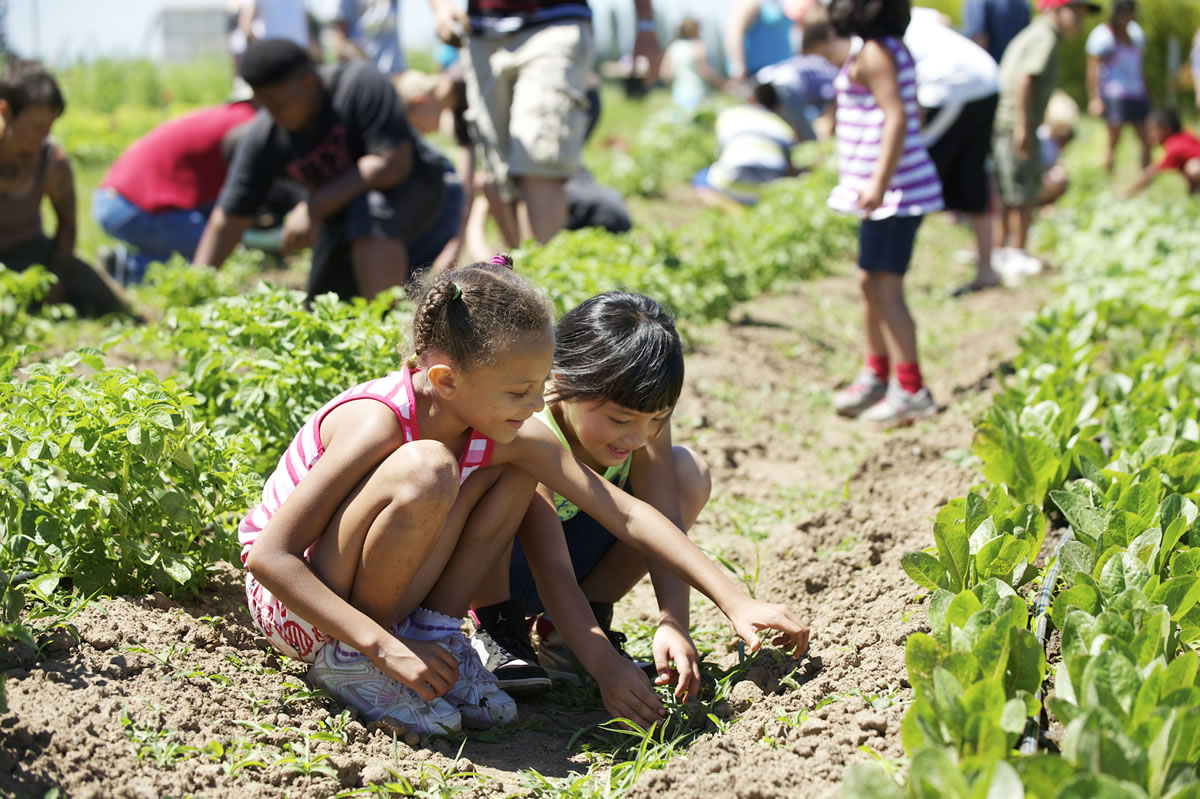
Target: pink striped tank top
[(915, 189), (395, 391)]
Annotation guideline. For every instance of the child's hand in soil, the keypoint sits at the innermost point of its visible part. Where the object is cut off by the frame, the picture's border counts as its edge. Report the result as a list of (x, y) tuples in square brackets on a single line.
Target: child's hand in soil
[(626, 693), (750, 615), (673, 645)]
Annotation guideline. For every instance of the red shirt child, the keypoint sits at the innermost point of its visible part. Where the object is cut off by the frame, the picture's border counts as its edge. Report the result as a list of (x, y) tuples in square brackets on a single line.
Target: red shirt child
[(1181, 151), (178, 165)]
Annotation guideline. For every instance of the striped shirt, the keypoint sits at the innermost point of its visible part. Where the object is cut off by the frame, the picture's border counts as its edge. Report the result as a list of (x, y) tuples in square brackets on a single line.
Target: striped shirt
[(395, 391), (915, 189), (500, 17)]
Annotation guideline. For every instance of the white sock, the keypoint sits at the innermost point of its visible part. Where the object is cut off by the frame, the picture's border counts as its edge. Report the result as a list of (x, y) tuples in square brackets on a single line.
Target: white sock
[(428, 625)]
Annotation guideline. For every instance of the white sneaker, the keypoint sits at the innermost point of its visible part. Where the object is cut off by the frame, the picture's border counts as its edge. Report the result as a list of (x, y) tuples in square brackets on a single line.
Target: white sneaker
[(898, 407), (1026, 265), (476, 695), (349, 676), (863, 392)]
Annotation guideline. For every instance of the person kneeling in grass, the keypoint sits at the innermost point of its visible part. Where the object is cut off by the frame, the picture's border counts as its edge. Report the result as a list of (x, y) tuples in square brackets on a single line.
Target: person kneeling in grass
[(32, 166), (617, 374), (1181, 151)]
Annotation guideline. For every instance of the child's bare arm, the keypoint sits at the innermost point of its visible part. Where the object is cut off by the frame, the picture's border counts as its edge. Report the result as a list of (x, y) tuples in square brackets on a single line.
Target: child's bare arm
[(1143, 180), (875, 68), (624, 688), (654, 481), (60, 188), (538, 452)]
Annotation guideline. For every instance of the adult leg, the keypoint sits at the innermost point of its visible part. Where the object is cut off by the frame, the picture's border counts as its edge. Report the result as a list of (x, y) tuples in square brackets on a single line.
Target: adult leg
[(1019, 220), (548, 122), (623, 566), (541, 207), (985, 275), (379, 264)]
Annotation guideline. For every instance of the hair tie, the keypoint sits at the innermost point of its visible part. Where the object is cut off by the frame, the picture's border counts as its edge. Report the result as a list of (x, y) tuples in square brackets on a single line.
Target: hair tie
[(502, 259), (457, 291)]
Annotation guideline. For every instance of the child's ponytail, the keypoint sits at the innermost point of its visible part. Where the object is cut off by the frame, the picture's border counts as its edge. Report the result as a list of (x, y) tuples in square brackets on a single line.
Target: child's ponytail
[(470, 313)]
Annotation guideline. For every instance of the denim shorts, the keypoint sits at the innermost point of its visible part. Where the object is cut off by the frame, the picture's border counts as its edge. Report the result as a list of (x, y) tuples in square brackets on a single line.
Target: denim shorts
[(886, 245)]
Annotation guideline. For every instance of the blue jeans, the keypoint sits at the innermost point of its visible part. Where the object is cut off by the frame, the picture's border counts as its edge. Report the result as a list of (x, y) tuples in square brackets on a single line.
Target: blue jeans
[(156, 236)]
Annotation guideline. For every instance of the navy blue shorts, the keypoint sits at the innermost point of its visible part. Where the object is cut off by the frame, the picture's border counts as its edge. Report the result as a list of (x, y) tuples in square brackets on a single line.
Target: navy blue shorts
[(886, 245), (587, 541), (1119, 110)]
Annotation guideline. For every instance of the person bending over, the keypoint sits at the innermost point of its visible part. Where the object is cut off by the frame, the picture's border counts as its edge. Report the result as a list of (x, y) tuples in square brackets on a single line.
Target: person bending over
[(1181, 151), (32, 166), (377, 206)]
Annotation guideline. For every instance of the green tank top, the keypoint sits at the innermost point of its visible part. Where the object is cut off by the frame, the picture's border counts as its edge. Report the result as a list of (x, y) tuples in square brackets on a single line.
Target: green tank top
[(617, 475)]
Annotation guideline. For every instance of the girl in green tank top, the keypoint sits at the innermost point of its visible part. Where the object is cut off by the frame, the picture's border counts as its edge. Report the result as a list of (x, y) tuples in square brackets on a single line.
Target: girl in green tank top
[(616, 376)]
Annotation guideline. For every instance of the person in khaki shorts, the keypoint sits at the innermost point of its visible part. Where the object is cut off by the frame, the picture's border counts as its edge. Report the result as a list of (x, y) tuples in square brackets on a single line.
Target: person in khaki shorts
[(527, 68), (1028, 76)]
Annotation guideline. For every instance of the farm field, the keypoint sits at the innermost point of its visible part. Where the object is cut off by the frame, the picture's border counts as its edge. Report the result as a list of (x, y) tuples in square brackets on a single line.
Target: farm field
[(1071, 403)]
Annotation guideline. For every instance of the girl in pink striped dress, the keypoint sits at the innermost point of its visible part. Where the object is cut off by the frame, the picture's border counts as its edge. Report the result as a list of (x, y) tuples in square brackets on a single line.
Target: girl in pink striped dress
[(397, 498), (887, 179)]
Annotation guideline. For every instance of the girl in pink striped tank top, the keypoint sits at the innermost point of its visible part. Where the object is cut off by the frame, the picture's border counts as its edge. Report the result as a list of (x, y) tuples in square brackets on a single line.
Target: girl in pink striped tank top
[(393, 503), (887, 179)]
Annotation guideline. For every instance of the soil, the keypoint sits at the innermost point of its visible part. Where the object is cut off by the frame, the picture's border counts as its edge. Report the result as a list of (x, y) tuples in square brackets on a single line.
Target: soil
[(147, 674)]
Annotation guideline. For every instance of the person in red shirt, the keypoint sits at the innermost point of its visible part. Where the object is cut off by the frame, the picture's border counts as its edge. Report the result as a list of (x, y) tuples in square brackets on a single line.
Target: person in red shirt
[(158, 195), (1181, 151)]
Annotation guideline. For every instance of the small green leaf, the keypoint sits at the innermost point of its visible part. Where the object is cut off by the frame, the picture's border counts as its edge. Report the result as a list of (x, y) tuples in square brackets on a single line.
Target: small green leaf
[(924, 570)]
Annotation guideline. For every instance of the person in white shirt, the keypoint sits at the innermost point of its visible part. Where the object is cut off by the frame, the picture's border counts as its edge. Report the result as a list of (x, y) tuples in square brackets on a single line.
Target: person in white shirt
[(957, 86)]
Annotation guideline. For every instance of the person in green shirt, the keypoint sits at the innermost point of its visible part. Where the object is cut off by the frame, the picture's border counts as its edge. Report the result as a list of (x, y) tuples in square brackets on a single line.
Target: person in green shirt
[(1028, 76)]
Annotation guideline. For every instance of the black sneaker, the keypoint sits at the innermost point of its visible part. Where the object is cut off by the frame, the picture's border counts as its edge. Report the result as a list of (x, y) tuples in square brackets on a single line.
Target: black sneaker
[(501, 640), (604, 614)]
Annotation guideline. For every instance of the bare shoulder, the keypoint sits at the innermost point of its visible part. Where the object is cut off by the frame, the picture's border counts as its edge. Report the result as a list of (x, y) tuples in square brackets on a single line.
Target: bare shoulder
[(361, 428)]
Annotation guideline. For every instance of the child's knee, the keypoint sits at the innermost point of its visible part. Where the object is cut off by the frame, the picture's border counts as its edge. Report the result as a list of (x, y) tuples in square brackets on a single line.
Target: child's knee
[(421, 473), (694, 479)]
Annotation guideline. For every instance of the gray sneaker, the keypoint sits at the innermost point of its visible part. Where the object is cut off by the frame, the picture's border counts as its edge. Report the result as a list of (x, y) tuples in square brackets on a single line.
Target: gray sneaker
[(898, 407), (350, 677), (865, 390)]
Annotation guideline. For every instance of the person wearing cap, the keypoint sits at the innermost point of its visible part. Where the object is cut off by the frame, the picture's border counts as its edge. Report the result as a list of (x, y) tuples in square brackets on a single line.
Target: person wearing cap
[(380, 202), (1028, 76), (1115, 80), (528, 66)]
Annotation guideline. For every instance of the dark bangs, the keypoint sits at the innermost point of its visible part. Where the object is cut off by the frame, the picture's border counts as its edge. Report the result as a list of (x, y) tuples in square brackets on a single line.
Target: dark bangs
[(618, 347)]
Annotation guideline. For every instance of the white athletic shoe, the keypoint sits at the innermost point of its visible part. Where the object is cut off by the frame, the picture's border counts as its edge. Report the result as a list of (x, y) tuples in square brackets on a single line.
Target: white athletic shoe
[(349, 676), (863, 392), (476, 695), (898, 407)]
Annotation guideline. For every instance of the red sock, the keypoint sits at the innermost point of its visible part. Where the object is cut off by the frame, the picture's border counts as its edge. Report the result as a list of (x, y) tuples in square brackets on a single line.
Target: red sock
[(878, 364), (909, 377)]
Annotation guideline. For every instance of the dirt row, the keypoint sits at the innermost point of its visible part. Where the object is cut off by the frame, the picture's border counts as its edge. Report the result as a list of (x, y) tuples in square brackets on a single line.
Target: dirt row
[(834, 505)]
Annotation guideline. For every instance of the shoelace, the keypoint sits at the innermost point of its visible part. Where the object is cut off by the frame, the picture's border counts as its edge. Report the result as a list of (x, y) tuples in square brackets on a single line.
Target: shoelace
[(471, 666)]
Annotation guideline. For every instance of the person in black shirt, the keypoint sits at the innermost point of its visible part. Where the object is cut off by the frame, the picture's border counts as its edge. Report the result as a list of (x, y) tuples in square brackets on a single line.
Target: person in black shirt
[(380, 202)]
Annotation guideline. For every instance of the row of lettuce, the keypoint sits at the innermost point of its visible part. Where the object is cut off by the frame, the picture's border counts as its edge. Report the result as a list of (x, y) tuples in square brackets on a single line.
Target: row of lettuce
[(1099, 426)]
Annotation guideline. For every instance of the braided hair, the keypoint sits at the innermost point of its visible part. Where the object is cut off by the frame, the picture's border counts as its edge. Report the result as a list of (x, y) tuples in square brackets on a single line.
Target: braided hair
[(474, 312)]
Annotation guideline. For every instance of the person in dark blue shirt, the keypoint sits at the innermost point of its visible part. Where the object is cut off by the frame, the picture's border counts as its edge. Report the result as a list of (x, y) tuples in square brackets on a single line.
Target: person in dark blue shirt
[(994, 23)]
